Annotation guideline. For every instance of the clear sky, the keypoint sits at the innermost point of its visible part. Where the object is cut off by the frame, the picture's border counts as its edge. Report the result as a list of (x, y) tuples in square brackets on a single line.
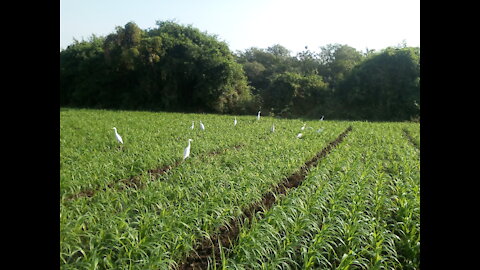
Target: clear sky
[(294, 24)]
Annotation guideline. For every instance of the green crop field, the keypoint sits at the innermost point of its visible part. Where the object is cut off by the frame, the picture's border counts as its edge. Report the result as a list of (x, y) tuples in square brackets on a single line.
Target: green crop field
[(139, 205)]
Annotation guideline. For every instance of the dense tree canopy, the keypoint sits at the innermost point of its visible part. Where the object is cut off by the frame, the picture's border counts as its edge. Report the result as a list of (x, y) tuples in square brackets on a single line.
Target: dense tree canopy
[(338, 81), (177, 67), (386, 86), (171, 67)]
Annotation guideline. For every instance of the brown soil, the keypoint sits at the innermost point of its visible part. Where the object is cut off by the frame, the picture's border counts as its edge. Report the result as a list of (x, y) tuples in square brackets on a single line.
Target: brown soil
[(226, 236)]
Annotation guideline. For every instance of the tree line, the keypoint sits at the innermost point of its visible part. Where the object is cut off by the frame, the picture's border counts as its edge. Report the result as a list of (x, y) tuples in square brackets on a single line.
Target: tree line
[(174, 67)]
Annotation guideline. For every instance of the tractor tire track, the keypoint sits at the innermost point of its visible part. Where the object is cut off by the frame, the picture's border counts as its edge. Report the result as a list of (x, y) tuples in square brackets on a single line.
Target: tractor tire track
[(135, 181), (209, 249)]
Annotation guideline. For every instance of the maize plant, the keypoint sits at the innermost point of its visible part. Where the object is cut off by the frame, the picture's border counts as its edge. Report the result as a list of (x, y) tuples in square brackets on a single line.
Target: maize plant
[(138, 205)]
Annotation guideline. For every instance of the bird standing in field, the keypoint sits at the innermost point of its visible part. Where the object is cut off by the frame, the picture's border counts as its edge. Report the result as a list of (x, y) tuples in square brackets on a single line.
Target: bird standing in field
[(303, 128), (321, 119), (186, 152), (119, 138), (258, 116), (202, 127), (299, 135), (273, 128), (193, 125), (235, 121)]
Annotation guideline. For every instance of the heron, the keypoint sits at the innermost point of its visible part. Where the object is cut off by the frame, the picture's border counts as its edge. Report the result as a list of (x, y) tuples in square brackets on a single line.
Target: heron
[(273, 128), (193, 125), (186, 152), (235, 121), (258, 116), (321, 119), (303, 128), (202, 127), (299, 135), (119, 138)]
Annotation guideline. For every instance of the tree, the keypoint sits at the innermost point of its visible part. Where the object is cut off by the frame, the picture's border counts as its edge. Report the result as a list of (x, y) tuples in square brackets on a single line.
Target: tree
[(308, 62), (338, 60), (180, 68), (383, 87), (261, 65), (292, 94), (82, 72), (171, 67)]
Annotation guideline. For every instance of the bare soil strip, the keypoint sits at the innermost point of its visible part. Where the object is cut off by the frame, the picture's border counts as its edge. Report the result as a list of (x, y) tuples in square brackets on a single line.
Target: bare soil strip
[(410, 139), (208, 249), (135, 181)]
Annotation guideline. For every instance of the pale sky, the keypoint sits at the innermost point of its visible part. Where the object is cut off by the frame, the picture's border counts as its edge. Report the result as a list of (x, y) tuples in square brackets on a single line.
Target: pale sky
[(294, 24)]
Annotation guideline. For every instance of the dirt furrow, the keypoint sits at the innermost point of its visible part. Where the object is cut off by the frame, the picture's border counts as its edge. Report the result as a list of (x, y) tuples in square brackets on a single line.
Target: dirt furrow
[(208, 249)]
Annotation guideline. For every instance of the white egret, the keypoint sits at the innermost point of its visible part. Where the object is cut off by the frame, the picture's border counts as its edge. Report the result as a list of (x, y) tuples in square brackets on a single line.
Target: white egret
[(321, 119), (202, 127), (320, 130), (299, 135), (193, 125), (186, 152), (258, 116), (119, 138), (303, 128), (235, 121), (273, 128)]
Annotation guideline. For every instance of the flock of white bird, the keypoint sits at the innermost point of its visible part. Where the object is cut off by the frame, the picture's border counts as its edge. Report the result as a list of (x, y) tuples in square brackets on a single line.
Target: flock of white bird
[(186, 151)]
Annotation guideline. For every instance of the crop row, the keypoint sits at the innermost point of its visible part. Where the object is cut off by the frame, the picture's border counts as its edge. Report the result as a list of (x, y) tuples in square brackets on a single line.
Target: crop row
[(210, 249), (413, 134), (156, 226), (90, 158), (136, 181), (359, 209)]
